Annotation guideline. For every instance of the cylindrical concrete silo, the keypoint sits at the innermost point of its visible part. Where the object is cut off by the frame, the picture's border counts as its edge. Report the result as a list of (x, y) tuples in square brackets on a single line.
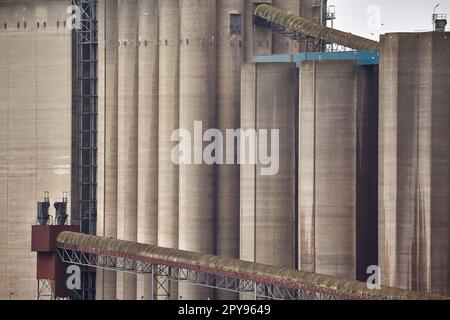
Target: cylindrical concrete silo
[(230, 55), (414, 161), (315, 11), (197, 103), (283, 44), (169, 114), (268, 197), (127, 136), (107, 137), (4, 67), (257, 41), (337, 168), (147, 224)]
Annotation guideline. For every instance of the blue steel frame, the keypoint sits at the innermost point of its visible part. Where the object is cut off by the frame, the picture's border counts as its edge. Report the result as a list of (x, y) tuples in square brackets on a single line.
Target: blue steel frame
[(361, 57)]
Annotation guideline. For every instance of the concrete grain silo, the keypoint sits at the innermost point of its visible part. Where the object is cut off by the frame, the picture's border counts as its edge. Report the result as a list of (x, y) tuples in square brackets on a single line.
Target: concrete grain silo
[(316, 11), (107, 137), (268, 210), (148, 91), (257, 41), (127, 180), (169, 113), (197, 204), (168, 64), (282, 44), (230, 55), (414, 161), (337, 168), (35, 129)]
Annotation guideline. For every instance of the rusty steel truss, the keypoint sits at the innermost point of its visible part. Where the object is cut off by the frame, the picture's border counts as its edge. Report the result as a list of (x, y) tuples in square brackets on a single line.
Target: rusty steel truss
[(162, 275)]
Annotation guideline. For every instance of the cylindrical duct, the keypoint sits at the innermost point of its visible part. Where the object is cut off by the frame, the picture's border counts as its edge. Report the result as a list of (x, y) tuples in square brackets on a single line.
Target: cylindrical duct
[(197, 104), (147, 224), (128, 136), (169, 114)]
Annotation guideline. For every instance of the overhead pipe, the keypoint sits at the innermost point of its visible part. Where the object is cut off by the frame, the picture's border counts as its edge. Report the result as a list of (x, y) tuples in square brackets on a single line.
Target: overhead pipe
[(298, 24)]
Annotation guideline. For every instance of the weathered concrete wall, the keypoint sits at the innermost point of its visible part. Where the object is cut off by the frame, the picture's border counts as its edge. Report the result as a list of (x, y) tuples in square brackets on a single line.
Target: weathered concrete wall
[(337, 168), (268, 210), (35, 130), (414, 161)]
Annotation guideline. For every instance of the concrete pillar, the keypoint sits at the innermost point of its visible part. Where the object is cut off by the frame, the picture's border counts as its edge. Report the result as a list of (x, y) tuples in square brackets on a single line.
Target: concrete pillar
[(107, 137), (197, 103), (337, 168), (169, 114), (414, 161), (247, 171), (230, 55), (268, 211), (147, 223), (127, 136)]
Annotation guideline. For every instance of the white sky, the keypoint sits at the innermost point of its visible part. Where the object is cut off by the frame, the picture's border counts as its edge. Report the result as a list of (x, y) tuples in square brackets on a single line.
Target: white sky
[(395, 15)]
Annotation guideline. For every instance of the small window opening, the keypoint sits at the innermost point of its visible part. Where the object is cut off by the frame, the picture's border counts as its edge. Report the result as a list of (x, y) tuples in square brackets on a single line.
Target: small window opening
[(235, 24)]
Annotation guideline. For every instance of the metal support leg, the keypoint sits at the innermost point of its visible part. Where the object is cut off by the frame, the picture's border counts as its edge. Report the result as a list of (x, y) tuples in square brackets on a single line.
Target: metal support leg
[(153, 283)]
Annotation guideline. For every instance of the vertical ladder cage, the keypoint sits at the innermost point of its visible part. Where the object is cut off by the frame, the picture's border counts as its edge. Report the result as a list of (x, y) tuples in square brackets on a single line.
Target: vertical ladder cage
[(86, 116)]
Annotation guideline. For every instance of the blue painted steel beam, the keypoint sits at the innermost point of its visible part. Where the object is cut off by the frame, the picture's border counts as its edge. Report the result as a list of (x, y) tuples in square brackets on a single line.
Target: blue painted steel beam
[(361, 57)]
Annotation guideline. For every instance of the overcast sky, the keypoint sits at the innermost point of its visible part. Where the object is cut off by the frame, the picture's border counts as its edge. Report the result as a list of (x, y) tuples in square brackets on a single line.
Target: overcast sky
[(361, 16)]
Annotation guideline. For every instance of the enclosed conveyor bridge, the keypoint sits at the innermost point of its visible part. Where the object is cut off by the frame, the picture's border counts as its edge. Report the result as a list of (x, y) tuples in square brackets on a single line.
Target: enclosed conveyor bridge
[(269, 16), (254, 279)]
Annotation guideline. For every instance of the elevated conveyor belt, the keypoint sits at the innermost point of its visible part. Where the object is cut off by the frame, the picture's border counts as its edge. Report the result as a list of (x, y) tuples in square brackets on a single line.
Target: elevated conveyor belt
[(263, 281), (296, 24)]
